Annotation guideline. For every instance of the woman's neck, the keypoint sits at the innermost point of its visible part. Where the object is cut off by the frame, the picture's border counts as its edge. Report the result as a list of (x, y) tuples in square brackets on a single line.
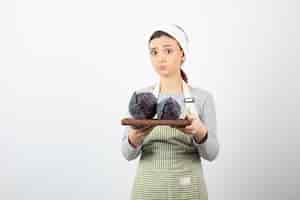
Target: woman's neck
[(171, 85)]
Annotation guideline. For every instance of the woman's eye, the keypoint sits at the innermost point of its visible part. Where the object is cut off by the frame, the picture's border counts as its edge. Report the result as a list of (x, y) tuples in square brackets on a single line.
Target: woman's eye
[(153, 52)]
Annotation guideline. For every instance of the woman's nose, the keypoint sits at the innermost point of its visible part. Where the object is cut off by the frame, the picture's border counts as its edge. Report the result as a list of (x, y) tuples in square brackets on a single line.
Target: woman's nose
[(161, 58)]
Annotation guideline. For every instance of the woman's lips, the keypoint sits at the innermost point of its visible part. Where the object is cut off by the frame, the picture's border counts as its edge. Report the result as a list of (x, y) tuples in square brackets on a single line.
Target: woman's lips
[(162, 66)]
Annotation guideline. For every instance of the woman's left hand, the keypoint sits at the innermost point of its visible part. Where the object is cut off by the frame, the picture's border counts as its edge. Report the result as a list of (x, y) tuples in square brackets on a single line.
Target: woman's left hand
[(197, 128)]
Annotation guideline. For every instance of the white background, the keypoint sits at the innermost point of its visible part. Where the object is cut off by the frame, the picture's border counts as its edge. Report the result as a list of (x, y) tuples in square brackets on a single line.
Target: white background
[(68, 68)]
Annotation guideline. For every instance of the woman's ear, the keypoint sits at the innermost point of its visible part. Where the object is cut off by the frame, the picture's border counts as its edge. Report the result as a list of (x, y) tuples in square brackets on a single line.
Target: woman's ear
[(182, 59), (183, 56)]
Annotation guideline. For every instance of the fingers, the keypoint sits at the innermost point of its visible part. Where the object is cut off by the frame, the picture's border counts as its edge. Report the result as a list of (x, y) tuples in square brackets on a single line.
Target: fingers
[(140, 127), (187, 129), (181, 129), (146, 129), (190, 127), (137, 127), (150, 128)]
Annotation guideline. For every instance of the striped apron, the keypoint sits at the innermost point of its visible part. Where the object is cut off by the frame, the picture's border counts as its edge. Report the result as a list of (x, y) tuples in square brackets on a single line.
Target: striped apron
[(169, 168)]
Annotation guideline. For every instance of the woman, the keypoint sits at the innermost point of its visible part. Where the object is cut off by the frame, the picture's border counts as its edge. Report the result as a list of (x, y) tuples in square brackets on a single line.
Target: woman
[(170, 166)]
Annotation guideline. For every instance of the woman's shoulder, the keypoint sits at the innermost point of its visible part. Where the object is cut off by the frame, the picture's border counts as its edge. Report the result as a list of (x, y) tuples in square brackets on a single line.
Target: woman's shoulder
[(201, 95), (200, 92)]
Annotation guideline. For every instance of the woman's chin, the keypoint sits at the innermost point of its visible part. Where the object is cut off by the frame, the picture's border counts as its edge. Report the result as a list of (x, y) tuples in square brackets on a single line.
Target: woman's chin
[(164, 74)]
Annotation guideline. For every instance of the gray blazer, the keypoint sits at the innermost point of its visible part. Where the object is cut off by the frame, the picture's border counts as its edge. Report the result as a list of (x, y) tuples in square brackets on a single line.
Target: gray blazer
[(207, 113)]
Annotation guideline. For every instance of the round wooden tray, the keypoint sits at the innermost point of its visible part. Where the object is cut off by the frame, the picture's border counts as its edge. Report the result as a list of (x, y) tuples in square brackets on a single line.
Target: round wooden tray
[(155, 122)]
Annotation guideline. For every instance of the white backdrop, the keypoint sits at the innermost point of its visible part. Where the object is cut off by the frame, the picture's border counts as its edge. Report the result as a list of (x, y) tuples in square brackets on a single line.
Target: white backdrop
[(68, 68)]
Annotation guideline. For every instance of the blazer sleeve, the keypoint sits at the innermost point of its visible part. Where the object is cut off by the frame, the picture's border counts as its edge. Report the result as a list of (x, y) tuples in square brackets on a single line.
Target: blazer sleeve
[(209, 149), (128, 151)]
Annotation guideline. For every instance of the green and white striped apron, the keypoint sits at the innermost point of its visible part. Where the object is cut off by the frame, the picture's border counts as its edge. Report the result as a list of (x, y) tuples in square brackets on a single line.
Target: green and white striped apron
[(169, 168)]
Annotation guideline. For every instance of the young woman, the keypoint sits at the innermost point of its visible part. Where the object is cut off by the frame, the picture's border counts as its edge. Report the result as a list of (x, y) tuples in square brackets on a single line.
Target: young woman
[(170, 165)]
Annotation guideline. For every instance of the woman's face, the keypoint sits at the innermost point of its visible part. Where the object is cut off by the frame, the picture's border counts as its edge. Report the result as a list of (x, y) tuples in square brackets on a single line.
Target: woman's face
[(166, 55)]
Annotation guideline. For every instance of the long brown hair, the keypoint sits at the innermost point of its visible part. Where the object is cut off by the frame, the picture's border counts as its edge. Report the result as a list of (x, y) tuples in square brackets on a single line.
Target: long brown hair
[(158, 34)]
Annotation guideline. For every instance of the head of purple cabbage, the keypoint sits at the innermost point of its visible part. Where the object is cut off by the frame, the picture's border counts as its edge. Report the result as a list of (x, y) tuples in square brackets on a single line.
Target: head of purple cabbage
[(144, 105)]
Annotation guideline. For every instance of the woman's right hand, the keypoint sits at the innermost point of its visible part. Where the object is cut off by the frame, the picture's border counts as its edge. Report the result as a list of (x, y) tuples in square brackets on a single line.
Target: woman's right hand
[(137, 135)]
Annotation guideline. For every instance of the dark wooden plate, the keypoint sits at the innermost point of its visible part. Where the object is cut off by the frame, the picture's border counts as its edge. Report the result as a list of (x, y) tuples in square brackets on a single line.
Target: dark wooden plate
[(155, 122)]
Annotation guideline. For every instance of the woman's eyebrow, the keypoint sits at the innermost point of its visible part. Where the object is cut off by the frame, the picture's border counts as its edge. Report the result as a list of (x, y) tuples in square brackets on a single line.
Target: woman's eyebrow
[(165, 45)]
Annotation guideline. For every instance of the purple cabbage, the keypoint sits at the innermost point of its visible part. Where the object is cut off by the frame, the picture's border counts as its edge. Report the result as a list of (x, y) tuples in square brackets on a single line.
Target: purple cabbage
[(143, 105), (168, 109)]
